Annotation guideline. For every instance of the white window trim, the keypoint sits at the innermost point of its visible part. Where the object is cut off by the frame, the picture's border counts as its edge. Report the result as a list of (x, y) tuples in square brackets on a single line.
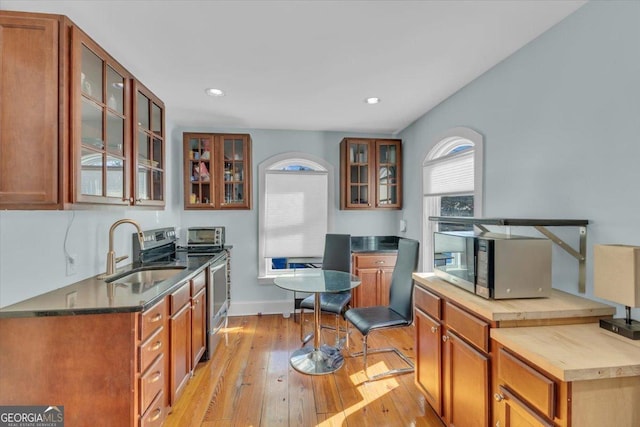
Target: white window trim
[(277, 162), (443, 145)]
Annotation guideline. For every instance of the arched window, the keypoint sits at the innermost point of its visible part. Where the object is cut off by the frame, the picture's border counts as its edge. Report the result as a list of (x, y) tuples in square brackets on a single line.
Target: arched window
[(295, 192), (452, 183)]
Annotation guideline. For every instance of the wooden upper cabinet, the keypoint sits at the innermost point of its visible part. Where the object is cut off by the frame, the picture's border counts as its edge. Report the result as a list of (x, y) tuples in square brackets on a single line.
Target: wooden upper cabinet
[(30, 130), (67, 110), (100, 125), (148, 147), (370, 173), (217, 171)]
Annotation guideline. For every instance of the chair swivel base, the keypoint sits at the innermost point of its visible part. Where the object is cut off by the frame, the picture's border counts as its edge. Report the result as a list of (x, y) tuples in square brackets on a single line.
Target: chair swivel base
[(309, 360)]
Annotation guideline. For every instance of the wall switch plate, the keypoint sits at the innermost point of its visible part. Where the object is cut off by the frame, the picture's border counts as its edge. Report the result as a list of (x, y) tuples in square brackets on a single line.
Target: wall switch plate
[(403, 225), (71, 299), (71, 264)]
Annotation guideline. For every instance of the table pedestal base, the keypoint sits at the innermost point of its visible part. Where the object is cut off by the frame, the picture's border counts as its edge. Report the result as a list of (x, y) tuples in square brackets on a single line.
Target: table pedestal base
[(312, 361)]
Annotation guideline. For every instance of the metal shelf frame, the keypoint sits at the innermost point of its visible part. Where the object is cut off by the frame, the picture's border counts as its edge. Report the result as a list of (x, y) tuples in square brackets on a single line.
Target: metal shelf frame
[(541, 225)]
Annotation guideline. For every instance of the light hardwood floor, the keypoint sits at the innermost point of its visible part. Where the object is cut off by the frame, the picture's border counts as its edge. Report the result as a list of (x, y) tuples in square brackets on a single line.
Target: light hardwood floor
[(249, 382)]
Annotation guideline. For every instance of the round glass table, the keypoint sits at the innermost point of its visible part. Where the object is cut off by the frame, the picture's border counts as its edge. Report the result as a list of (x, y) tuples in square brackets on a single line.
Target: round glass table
[(317, 360)]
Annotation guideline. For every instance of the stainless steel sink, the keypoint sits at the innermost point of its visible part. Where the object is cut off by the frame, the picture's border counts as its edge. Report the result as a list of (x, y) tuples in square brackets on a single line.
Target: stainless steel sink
[(148, 276)]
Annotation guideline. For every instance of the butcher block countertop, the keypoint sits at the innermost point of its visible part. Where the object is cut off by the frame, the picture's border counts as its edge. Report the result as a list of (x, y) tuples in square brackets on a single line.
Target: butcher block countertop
[(574, 352), (561, 305)]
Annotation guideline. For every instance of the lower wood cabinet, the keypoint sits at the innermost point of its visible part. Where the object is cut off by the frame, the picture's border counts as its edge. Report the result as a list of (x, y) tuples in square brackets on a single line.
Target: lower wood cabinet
[(180, 332), (375, 271), (466, 383), (429, 364), (113, 369), (188, 331)]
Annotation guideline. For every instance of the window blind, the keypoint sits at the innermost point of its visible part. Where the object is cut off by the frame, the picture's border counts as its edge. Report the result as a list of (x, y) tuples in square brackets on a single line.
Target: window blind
[(296, 213), (449, 175)]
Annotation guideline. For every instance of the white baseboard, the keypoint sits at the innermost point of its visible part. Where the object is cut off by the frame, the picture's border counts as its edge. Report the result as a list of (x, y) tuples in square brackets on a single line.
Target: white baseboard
[(248, 308)]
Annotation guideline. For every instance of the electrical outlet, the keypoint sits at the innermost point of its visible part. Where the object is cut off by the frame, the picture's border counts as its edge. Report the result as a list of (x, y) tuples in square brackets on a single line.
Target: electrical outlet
[(71, 264)]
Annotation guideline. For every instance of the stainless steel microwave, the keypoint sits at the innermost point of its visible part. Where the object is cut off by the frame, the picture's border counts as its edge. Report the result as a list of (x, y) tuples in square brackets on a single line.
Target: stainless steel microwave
[(494, 266)]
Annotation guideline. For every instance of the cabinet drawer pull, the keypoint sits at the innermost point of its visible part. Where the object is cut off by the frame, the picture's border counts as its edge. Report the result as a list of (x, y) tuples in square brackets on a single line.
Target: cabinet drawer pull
[(499, 397), (156, 414), (156, 346), (434, 329), (445, 338), (156, 376), (156, 318), (380, 262)]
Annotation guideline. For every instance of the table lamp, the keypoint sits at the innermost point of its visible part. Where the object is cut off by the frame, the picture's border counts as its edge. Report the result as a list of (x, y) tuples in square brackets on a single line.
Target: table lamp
[(616, 277)]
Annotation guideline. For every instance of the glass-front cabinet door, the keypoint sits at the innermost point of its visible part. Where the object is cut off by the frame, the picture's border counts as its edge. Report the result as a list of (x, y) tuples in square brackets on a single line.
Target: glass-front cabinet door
[(388, 172), (235, 153), (100, 125), (217, 171), (199, 157), (358, 174), (371, 173), (148, 148)]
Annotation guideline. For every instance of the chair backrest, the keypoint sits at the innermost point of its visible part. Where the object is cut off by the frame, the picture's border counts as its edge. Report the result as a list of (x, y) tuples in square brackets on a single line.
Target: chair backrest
[(401, 288), (337, 252)]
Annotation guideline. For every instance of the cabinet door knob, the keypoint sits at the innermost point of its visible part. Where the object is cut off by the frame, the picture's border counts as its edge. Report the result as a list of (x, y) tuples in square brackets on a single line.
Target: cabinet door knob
[(445, 338), (499, 397), (434, 329)]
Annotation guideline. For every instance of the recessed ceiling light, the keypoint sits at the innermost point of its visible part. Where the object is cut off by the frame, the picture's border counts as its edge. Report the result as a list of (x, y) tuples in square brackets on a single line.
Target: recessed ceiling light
[(214, 92), (372, 100)]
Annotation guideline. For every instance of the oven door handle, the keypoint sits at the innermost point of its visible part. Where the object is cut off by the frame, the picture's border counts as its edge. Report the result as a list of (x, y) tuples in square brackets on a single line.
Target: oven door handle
[(217, 267)]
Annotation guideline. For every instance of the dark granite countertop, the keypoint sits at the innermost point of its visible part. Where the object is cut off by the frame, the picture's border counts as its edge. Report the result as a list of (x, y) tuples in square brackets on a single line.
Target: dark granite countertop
[(96, 296), (363, 244)]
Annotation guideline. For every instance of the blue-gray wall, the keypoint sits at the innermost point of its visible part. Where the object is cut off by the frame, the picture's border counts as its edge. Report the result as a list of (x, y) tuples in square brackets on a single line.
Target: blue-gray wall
[(561, 122)]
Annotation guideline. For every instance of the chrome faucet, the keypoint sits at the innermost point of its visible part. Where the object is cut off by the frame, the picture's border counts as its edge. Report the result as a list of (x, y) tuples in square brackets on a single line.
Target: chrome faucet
[(111, 255)]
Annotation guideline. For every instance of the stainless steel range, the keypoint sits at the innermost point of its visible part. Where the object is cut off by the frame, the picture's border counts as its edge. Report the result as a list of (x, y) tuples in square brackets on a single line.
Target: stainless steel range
[(160, 246)]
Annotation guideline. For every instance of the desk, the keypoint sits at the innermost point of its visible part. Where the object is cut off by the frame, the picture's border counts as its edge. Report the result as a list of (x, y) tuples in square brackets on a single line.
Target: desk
[(313, 360)]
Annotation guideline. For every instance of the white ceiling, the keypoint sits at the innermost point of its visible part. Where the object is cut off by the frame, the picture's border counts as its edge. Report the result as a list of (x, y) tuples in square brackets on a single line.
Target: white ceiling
[(307, 65)]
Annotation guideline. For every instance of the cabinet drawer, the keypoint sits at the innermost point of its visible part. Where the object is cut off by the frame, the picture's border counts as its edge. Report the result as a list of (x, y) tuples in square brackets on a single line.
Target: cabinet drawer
[(198, 282), (180, 297), (427, 302), (526, 382), (154, 417), (152, 319), (375, 261), (151, 348), (474, 330), (151, 383)]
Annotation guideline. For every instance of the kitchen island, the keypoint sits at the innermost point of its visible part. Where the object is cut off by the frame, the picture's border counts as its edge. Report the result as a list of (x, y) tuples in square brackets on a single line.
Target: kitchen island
[(481, 362)]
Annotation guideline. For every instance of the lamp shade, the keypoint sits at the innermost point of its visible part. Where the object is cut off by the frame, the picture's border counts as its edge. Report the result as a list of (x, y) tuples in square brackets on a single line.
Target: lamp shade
[(616, 273)]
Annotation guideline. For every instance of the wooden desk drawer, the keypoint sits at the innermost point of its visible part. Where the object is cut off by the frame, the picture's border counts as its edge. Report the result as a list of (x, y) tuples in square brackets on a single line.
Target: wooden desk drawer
[(199, 282), (151, 383), (152, 348), (152, 319), (473, 329), (180, 297), (154, 417), (527, 382), (427, 302), (375, 261)]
